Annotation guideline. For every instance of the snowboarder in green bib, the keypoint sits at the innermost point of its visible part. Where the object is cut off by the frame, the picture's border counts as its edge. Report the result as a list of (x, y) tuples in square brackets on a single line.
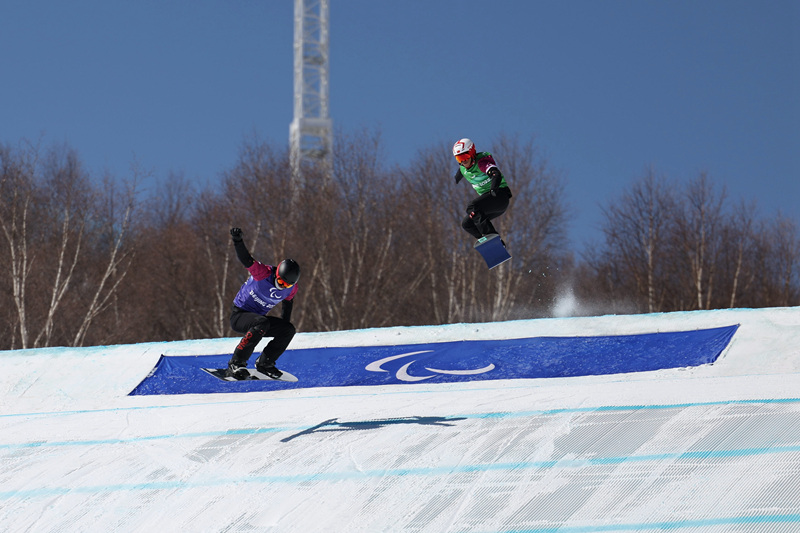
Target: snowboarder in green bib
[(480, 170)]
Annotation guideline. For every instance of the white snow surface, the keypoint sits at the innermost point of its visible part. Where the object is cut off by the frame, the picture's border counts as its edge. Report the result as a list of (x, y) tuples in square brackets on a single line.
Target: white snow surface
[(710, 448)]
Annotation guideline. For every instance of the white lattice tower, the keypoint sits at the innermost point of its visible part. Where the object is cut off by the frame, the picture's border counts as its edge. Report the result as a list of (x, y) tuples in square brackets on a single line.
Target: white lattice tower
[(310, 136)]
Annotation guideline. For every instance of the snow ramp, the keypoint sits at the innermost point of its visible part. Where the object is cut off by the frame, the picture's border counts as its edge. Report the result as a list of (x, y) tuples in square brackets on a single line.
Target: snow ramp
[(455, 361), (706, 447)]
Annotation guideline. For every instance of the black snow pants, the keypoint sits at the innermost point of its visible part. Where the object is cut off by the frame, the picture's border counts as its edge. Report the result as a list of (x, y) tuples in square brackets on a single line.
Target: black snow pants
[(482, 210), (255, 327)]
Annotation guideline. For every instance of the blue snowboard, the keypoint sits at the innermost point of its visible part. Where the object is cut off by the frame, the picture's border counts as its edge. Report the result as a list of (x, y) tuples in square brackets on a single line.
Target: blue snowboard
[(492, 250)]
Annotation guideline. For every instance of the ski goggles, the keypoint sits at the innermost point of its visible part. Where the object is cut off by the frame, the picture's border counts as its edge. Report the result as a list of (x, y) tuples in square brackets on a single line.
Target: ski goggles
[(463, 157), (281, 283)]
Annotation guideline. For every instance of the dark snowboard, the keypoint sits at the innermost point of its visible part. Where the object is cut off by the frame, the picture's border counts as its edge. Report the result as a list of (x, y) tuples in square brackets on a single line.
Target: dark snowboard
[(492, 250)]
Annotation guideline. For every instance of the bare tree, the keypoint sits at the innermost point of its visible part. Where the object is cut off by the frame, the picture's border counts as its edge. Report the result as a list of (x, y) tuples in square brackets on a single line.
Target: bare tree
[(115, 213), (49, 210), (536, 224), (211, 223), (698, 230), (435, 204), (166, 288), (636, 229), (19, 206), (68, 197), (366, 228), (786, 255), (739, 239)]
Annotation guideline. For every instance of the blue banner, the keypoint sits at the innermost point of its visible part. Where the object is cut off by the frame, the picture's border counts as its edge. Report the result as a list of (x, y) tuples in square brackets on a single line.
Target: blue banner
[(535, 357)]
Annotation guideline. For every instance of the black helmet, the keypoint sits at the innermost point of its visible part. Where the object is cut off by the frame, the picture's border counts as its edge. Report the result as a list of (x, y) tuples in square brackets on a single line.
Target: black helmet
[(289, 271)]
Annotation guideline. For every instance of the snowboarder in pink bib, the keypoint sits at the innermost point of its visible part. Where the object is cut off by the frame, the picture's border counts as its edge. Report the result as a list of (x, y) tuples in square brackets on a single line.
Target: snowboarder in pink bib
[(266, 287), (480, 170)]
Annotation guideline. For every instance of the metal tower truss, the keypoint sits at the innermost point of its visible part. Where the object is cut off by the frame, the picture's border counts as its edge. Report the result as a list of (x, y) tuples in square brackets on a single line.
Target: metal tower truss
[(310, 135)]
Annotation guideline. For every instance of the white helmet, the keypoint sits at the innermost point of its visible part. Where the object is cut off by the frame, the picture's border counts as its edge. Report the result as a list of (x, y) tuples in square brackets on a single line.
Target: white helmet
[(464, 148)]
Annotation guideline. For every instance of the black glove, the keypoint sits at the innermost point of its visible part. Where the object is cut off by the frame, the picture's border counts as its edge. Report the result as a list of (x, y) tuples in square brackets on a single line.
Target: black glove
[(236, 234), (494, 173)]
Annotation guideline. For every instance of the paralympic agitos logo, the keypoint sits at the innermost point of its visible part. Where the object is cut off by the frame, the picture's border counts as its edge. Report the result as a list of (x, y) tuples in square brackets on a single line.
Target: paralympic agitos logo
[(403, 373)]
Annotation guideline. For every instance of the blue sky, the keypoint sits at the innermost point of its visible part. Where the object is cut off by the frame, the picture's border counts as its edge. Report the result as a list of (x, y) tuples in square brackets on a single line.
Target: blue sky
[(606, 88)]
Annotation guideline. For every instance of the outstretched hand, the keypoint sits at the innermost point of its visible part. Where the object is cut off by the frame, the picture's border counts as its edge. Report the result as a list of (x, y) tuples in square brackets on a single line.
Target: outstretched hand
[(236, 234)]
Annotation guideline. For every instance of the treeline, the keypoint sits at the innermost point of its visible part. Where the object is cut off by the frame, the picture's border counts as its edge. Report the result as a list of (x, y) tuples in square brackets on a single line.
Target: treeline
[(675, 247), (87, 261)]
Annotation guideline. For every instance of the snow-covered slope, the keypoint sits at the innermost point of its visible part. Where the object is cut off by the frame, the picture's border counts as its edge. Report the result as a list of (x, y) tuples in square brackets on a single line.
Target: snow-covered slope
[(710, 448)]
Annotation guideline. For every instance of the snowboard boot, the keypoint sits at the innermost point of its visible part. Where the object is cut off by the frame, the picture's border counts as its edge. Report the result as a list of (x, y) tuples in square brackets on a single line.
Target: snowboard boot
[(268, 369), (237, 369)]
